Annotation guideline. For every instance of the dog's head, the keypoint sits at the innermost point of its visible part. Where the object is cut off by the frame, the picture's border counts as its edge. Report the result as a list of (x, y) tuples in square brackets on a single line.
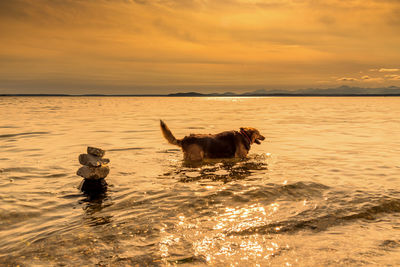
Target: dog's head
[(253, 134)]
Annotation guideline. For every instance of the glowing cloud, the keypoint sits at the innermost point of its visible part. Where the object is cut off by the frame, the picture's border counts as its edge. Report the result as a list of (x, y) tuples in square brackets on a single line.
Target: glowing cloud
[(347, 79), (367, 78), (388, 70), (393, 77), (160, 46)]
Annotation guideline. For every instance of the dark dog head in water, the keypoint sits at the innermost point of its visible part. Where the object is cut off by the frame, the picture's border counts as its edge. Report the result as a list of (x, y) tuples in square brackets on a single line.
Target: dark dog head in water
[(228, 144)]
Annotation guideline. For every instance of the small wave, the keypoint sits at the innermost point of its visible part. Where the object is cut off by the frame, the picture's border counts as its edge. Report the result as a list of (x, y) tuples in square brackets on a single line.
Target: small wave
[(8, 218), (126, 173), (101, 220), (51, 107), (22, 134), (101, 131), (23, 149), (71, 196), (189, 260), (128, 148), (171, 150), (138, 131), (206, 202), (389, 244), (8, 127), (321, 223), (56, 175), (20, 169), (294, 191)]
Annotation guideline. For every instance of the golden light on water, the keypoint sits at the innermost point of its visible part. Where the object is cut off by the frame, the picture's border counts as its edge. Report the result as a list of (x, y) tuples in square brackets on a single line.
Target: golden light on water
[(305, 204), (218, 244)]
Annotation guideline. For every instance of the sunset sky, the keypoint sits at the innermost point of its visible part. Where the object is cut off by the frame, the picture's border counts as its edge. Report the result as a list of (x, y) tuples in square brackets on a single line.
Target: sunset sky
[(163, 46)]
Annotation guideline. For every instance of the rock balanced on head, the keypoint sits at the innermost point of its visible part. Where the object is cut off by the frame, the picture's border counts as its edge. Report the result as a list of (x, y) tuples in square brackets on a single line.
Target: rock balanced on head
[(94, 165)]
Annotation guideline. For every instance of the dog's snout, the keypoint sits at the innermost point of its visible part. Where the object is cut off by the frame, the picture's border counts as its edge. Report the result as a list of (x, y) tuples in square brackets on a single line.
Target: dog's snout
[(261, 138)]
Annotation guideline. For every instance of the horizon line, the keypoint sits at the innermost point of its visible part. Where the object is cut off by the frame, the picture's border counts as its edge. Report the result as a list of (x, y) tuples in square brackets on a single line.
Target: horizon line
[(199, 95)]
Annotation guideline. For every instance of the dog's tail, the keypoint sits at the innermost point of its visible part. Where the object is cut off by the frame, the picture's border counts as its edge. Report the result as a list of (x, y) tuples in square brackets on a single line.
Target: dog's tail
[(168, 135)]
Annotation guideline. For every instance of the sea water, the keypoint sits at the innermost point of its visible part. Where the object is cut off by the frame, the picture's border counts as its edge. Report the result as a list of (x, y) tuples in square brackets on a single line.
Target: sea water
[(322, 189)]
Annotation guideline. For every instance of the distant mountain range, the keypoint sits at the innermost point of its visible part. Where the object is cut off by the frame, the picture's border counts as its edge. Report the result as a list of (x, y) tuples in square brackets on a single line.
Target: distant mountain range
[(337, 91)]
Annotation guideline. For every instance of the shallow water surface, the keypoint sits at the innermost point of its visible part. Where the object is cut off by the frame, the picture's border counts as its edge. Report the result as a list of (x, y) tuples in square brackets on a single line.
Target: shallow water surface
[(323, 189)]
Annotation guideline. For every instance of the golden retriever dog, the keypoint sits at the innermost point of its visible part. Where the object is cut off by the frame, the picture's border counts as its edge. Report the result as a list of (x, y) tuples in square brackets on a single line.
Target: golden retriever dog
[(228, 144)]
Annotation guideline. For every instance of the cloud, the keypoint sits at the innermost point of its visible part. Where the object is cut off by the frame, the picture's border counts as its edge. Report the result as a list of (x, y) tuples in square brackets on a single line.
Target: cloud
[(347, 79), (367, 78), (392, 77), (388, 70), (191, 42)]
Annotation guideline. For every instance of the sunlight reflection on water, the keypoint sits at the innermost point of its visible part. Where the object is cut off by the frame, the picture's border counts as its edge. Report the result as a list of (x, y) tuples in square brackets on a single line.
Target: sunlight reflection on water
[(326, 178)]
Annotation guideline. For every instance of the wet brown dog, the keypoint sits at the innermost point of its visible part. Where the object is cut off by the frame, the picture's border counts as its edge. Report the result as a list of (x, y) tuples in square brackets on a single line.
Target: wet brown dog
[(227, 144)]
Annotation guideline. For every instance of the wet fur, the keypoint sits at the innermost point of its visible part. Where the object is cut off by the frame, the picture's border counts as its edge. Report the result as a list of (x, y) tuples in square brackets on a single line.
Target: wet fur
[(228, 144)]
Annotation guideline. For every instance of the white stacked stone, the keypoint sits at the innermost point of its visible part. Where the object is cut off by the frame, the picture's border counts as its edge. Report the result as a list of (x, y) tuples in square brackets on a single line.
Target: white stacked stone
[(95, 166)]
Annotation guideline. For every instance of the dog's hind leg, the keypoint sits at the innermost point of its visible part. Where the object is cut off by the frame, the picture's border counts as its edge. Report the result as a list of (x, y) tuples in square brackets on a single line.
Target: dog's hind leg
[(194, 153), (241, 151)]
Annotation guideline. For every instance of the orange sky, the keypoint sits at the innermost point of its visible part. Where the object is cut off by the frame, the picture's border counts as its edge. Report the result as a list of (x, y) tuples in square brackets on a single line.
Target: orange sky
[(160, 46)]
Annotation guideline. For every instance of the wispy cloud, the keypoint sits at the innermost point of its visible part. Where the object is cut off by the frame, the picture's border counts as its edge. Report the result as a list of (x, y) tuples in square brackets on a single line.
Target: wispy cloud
[(367, 78), (392, 77), (388, 70), (274, 43), (347, 79)]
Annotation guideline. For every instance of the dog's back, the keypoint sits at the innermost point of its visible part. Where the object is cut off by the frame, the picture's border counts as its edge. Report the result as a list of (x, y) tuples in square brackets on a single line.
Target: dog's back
[(222, 145)]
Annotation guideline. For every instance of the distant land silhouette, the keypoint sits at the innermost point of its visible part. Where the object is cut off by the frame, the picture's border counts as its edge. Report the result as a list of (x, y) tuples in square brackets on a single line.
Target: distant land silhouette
[(337, 91)]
